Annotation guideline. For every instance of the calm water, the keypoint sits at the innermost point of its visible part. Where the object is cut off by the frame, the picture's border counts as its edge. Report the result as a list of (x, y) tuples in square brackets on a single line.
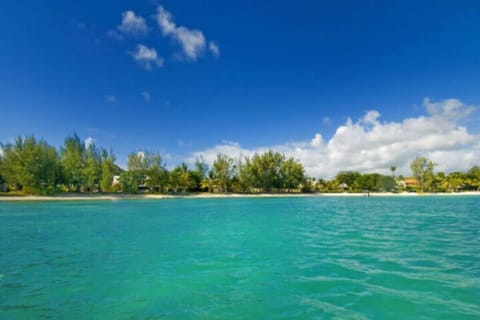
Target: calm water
[(284, 258)]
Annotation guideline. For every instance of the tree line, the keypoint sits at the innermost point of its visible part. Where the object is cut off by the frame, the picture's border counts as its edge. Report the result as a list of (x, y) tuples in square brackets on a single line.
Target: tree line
[(32, 166), (423, 179)]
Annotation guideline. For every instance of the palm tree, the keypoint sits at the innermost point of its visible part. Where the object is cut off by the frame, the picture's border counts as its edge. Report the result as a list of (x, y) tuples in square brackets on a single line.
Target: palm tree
[(209, 184), (393, 168)]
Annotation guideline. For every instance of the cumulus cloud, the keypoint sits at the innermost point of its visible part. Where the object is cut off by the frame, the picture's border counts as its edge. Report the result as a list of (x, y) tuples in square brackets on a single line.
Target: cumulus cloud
[(192, 42), (369, 145), (450, 108), (147, 57), (132, 24)]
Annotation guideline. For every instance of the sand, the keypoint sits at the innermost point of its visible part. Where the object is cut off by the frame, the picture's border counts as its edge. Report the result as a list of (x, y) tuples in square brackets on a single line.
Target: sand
[(92, 197)]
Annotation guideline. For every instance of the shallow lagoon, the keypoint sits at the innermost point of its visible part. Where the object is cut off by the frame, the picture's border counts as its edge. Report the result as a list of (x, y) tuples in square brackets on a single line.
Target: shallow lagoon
[(266, 258)]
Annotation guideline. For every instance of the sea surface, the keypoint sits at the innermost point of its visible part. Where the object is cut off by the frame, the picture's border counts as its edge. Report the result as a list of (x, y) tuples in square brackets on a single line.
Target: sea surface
[(265, 258)]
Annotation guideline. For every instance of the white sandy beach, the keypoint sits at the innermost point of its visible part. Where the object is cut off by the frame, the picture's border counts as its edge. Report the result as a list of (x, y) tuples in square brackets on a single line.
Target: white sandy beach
[(92, 197)]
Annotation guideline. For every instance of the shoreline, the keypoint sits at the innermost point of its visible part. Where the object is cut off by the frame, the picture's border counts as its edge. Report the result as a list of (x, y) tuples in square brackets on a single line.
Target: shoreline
[(111, 197)]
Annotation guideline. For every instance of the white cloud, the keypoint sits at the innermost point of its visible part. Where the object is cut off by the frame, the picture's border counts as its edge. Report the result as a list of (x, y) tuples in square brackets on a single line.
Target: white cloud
[(146, 96), (369, 145), (110, 98), (317, 140), (450, 108), (132, 24), (214, 49), (371, 117), (88, 142), (147, 57), (192, 42)]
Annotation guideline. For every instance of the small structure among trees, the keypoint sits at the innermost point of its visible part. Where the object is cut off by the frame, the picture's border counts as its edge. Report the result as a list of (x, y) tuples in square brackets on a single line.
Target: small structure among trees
[(32, 166)]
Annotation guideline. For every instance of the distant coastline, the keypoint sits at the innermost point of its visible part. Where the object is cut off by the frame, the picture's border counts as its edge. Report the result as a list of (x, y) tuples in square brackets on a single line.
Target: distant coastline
[(94, 197)]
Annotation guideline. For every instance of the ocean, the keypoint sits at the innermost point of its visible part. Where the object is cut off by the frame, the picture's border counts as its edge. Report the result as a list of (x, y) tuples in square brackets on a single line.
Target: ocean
[(242, 258)]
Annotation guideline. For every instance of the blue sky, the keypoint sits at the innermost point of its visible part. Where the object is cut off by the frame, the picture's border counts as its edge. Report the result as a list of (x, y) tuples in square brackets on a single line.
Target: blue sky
[(190, 78)]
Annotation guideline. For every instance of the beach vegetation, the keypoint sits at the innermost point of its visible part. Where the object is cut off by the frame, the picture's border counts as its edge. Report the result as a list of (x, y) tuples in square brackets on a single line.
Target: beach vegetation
[(32, 166), (422, 170)]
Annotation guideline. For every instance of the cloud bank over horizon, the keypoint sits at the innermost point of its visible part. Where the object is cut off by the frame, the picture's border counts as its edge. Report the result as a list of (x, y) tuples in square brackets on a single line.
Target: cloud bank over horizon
[(370, 145)]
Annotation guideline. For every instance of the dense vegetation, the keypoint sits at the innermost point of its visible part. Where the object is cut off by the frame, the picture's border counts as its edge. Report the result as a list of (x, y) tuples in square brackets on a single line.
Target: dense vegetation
[(32, 166)]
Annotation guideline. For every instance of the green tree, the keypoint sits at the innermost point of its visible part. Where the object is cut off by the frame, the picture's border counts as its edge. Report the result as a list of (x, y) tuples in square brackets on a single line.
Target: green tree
[(388, 184), (73, 159), (270, 171), (474, 172), (92, 171), (393, 169), (474, 176), (2, 180), (130, 180), (292, 175), (148, 169), (31, 165), (139, 162), (244, 176), (457, 181), (199, 174), (155, 172), (209, 183), (108, 170), (422, 170), (369, 182), (222, 171), (265, 170), (350, 179), (180, 179)]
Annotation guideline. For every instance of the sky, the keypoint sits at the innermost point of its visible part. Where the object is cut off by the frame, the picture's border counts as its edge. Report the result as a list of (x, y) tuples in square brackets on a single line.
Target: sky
[(339, 85)]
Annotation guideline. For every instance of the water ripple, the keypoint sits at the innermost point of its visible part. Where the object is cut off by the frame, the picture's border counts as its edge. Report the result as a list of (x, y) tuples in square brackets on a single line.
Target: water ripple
[(302, 258)]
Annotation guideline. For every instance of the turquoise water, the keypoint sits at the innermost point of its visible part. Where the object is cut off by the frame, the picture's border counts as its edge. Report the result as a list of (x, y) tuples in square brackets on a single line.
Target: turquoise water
[(279, 258)]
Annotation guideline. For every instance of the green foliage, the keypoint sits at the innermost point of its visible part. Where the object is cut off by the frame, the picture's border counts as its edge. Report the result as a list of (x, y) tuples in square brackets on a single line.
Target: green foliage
[(270, 171), (2, 180), (474, 173), (31, 165), (292, 175), (369, 182), (199, 174), (155, 172), (392, 169), (73, 158), (181, 179), (92, 171), (422, 170), (107, 171), (130, 180), (349, 180), (222, 171), (388, 184), (308, 185), (149, 169)]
